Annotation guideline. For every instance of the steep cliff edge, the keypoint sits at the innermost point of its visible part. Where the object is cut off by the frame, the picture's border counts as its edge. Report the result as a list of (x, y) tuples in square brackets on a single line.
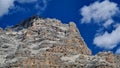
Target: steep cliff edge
[(47, 43)]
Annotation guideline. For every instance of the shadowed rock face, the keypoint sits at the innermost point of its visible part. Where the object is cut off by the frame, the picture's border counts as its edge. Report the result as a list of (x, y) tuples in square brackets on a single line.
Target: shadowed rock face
[(47, 43)]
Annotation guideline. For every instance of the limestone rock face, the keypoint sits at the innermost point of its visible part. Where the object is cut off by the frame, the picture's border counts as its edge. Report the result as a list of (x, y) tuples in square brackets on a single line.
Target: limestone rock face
[(47, 43), (117, 61)]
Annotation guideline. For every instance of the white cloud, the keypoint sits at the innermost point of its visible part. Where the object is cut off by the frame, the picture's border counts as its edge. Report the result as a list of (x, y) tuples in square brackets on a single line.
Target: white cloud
[(39, 5), (116, 25), (108, 40), (108, 23), (42, 7), (26, 1), (118, 51), (5, 5), (102, 13), (99, 12)]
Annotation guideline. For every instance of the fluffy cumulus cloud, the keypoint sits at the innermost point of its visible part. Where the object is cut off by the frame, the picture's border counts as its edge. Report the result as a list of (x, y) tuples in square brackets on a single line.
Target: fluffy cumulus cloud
[(102, 13), (108, 40), (5, 5), (118, 51), (99, 12)]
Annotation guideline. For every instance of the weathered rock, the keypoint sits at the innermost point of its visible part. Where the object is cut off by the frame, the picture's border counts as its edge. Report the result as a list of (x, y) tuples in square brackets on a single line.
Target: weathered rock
[(47, 43), (117, 61)]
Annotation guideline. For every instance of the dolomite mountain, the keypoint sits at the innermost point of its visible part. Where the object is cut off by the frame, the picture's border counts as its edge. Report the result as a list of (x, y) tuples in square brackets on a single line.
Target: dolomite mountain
[(47, 43)]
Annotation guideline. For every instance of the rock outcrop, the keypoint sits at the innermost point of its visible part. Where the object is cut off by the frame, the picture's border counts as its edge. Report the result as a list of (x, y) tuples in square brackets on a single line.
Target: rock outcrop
[(47, 43)]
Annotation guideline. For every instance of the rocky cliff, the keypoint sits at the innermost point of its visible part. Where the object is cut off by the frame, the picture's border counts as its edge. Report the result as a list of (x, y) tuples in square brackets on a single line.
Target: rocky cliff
[(48, 43)]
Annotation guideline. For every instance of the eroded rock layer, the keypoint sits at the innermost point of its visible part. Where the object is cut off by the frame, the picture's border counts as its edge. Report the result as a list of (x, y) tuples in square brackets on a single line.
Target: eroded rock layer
[(47, 43)]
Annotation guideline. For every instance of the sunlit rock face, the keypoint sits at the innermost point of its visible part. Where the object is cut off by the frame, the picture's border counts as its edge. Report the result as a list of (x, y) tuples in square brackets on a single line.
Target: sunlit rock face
[(48, 43)]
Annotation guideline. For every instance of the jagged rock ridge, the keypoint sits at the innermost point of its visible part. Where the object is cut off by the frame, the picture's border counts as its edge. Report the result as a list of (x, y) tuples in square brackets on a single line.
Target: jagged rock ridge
[(47, 43)]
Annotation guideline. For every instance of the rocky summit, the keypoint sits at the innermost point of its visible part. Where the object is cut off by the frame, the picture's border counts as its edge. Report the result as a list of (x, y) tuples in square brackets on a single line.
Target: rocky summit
[(48, 43)]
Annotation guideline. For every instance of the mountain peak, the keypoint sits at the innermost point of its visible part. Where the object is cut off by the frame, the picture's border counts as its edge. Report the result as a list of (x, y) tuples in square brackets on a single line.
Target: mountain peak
[(48, 43), (26, 23)]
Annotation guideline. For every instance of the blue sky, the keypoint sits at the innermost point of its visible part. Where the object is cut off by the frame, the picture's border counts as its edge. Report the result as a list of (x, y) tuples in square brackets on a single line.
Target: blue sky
[(97, 20)]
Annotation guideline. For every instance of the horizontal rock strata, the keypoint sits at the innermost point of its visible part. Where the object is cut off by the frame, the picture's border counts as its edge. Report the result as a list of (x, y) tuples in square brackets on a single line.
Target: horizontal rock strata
[(48, 43)]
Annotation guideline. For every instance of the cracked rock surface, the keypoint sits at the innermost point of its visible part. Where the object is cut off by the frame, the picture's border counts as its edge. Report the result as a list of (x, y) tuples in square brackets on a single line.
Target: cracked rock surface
[(48, 43)]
